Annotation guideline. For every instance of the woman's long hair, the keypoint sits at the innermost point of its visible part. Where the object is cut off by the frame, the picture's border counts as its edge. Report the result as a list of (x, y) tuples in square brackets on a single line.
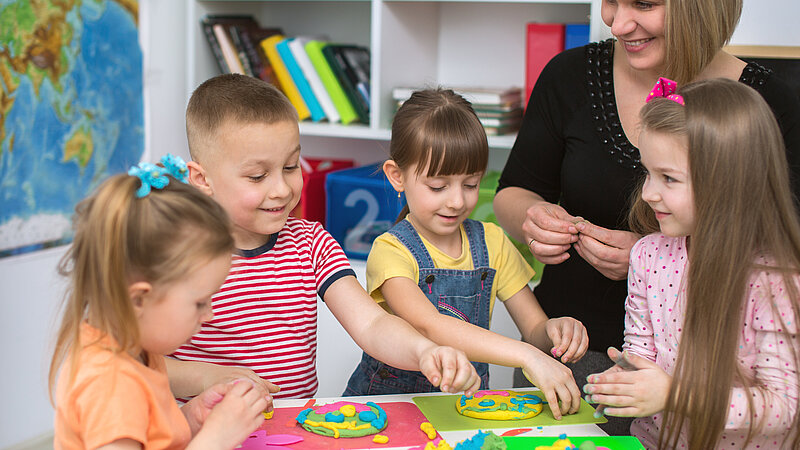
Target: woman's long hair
[(744, 209)]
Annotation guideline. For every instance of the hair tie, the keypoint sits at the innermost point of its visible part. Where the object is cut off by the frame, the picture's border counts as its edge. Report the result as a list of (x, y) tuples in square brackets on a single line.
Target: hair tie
[(665, 88), (153, 176)]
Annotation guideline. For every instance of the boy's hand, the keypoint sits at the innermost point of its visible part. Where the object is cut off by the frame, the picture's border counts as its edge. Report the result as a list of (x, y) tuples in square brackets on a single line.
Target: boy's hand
[(638, 391), (450, 370), (216, 374), (556, 383), (232, 419), (569, 337)]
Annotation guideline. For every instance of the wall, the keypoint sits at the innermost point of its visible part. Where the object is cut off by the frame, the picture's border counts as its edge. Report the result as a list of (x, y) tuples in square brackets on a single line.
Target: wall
[(30, 290)]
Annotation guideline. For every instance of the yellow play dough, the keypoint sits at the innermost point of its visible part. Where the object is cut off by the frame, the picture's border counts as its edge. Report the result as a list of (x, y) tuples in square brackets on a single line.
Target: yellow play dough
[(500, 405)]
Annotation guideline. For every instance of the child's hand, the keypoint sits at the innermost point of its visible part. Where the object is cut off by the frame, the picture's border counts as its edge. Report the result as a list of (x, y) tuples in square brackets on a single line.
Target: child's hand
[(450, 370), (569, 337), (216, 374), (233, 418), (197, 409), (556, 383), (636, 392)]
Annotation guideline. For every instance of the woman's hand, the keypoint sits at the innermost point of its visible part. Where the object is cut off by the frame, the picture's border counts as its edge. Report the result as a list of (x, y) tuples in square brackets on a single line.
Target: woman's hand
[(549, 232), (555, 381), (569, 338), (606, 250), (636, 392), (450, 370)]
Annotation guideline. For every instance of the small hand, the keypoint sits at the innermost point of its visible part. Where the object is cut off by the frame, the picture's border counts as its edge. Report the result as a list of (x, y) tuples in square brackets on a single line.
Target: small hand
[(234, 417), (556, 383), (569, 337), (226, 374), (629, 393), (606, 250), (549, 232), (450, 370)]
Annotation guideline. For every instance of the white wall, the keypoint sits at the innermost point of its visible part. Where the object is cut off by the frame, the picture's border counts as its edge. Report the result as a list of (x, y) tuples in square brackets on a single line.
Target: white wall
[(30, 291)]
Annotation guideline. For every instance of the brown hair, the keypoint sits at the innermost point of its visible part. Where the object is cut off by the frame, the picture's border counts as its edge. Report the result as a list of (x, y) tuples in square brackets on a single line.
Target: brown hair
[(232, 97), (438, 129), (740, 183), (687, 52), (120, 239)]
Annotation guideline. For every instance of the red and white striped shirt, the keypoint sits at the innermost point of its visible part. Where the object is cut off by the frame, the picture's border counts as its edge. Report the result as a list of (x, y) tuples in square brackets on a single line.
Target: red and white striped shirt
[(265, 314)]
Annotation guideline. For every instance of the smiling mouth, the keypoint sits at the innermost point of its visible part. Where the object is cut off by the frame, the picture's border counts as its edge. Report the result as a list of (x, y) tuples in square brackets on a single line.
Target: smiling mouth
[(638, 42), (274, 210)]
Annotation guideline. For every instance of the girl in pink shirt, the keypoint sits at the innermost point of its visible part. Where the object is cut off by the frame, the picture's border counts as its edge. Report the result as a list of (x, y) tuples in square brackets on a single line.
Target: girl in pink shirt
[(711, 335), (149, 251)]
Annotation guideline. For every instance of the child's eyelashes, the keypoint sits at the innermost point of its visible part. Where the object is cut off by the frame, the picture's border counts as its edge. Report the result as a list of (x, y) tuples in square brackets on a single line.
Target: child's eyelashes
[(256, 178), (436, 188)]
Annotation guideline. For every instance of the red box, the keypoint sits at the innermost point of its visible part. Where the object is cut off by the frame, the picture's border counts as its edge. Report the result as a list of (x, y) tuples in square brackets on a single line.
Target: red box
[(312, 198)]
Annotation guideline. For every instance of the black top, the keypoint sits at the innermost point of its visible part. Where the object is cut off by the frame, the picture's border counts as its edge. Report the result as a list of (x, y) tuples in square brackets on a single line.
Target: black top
[(571, 150)]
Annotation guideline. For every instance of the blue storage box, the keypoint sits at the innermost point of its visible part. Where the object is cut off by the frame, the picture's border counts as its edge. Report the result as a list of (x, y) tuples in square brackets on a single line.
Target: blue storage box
[(361, 205)]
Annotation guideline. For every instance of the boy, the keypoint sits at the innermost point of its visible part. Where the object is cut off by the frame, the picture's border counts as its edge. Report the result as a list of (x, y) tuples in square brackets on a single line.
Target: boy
[(245, 147)]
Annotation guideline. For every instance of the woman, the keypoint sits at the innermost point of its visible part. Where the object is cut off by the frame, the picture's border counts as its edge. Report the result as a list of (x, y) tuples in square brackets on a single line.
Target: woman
[(575, 162)]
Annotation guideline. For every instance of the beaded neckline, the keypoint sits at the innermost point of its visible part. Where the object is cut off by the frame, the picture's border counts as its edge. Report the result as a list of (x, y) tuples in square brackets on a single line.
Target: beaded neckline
[(605, 116)]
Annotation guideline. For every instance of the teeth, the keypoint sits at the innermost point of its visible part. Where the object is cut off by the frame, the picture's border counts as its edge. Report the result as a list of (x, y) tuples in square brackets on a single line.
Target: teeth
[(639, 42)]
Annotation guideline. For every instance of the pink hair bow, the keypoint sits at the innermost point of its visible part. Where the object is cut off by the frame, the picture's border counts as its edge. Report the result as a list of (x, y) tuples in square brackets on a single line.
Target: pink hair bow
[(665, 88)]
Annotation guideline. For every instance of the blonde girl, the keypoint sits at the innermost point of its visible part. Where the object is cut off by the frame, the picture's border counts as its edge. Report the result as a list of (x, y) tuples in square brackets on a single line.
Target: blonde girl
[(441, 271), (712, 308), (148, 253)]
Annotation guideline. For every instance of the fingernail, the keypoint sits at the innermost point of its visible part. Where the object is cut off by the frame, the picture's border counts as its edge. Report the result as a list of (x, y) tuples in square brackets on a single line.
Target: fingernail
[(587, 388)]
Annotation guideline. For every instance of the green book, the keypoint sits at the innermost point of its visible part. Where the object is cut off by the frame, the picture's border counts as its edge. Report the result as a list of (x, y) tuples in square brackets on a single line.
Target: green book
[(339, 98)]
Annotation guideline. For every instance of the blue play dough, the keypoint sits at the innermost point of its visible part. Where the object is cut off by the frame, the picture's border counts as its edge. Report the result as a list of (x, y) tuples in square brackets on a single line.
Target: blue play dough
[(367, 416), (487, 402), (336, 417)]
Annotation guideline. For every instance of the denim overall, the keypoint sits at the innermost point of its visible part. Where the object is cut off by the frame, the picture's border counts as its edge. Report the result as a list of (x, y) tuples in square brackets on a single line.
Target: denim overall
[(463, 294)]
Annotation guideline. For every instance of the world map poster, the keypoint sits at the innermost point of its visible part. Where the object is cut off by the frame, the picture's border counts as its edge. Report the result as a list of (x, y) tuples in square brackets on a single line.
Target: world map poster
[(71, 111)]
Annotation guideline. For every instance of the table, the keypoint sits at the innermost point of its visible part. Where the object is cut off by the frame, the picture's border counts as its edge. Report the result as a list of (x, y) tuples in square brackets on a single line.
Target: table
[(452, 437)]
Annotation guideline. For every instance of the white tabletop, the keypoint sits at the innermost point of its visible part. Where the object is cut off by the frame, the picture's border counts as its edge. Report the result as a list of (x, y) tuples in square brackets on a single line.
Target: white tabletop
[(453, 437)]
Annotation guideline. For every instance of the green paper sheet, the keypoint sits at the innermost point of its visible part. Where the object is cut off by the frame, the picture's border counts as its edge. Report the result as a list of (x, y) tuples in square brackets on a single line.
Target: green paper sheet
[(612, 442), (440, 410)]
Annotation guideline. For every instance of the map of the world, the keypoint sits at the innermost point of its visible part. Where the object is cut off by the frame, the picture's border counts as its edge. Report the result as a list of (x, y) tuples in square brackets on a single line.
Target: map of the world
[(71, 111)]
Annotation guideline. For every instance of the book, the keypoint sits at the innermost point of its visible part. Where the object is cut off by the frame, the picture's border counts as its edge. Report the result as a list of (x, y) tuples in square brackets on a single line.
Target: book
[(300, 80), (350, 64), (343, 106), (282, 74), (235, 33), (576, 35), (298, 48), (214, 46), (543, 41), (252, 39), (229, 52), (500, 99)]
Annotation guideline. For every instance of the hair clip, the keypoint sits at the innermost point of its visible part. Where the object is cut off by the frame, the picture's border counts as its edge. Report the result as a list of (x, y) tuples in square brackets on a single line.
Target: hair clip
[(176, 167), (153, 176), (665, 88)]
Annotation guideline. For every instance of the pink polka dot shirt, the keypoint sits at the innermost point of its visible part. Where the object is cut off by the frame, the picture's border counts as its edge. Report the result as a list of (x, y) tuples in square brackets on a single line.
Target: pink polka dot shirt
[(653, 320)]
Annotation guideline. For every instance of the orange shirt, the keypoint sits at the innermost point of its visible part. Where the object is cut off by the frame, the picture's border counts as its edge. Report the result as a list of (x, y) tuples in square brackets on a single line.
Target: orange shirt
[(114, 396)]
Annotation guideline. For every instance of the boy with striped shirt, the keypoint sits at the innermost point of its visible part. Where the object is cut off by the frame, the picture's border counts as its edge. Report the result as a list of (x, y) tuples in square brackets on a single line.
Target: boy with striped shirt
[(244, 142)]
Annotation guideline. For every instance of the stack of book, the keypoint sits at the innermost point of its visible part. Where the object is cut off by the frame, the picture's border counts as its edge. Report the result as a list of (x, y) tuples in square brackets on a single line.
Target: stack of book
[(324, 81), (498, 109)]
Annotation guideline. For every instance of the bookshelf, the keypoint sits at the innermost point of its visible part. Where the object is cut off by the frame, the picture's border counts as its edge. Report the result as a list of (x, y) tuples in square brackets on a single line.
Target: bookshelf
[(412, 43)]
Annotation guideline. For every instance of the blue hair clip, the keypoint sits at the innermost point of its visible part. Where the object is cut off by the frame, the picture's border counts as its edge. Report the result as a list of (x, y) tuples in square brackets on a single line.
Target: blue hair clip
[(176, 167), (153, 176)]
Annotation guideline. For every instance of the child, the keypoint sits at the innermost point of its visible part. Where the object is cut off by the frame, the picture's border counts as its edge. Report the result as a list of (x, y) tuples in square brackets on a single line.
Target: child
[(441, 272), (244, 140), (148, 253), (720, 278)]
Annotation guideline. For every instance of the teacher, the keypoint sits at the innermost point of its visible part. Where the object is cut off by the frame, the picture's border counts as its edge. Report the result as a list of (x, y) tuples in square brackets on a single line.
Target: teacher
[(566, 187)]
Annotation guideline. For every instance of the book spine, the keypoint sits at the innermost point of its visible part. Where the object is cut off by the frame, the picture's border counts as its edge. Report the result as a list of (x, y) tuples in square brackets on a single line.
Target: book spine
[(299, 52), (346, 112), (300, 80), (228, 51), (340, 68), (576, 35), (236, 39), (284, 79), (215, 48), (544, 40)]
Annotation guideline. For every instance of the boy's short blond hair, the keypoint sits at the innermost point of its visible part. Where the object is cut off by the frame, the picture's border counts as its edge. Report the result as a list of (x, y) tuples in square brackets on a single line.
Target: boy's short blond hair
[(231, 97)]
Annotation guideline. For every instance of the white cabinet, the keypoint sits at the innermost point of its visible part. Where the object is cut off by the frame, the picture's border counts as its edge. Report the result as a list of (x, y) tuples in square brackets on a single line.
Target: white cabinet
[(412, 43)]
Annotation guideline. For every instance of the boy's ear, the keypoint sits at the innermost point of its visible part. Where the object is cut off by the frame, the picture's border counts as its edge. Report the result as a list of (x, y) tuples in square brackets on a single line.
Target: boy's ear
[(198, 177), (394, 175), (138, 292)]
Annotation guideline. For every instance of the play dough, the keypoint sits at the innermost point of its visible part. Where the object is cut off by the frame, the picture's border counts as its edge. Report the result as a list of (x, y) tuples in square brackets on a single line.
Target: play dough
[(344, 419), (499, 405)]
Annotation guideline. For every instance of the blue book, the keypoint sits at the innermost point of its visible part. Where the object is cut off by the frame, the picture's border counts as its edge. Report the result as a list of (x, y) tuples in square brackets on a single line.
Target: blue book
[(576, 35), (300, 80)]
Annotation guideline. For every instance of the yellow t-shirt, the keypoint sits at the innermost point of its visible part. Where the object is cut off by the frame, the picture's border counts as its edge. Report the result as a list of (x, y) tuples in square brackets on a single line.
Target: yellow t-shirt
[(114, 396), (389, 258)]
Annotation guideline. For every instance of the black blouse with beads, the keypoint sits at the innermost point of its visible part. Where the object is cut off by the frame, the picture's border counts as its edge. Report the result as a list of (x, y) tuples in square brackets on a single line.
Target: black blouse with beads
[(572, 150)]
